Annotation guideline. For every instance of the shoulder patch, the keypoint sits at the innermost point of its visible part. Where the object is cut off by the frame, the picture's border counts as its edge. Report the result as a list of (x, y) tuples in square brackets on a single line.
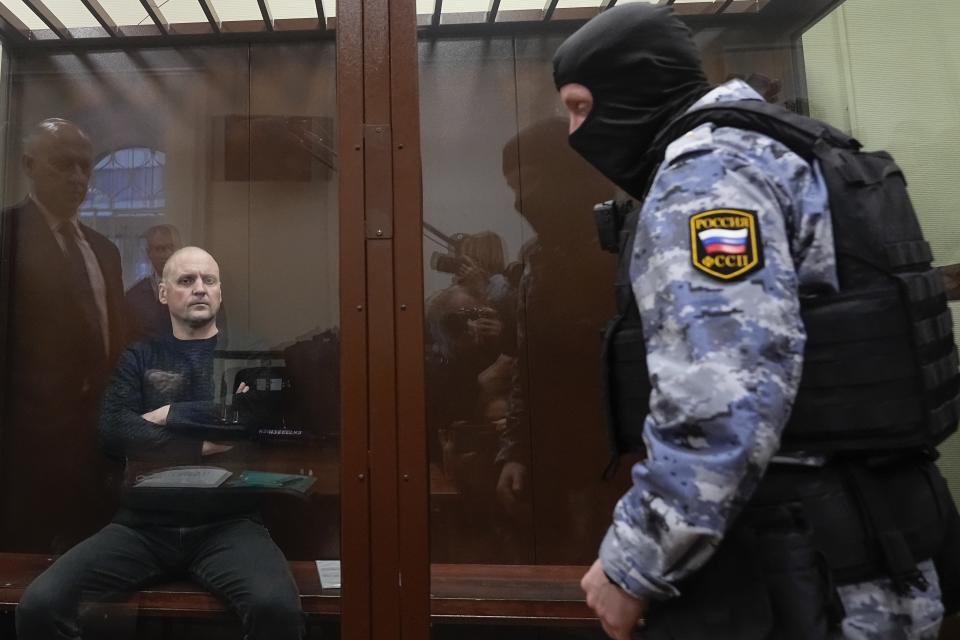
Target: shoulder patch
[(725, 243)]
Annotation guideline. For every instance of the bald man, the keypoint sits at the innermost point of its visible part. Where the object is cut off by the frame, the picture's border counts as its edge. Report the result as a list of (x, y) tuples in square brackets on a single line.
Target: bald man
[(161, 389), (65, 331), (147, 317)]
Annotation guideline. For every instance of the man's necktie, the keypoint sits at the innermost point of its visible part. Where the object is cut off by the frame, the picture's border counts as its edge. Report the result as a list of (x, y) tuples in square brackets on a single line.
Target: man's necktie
[(79, 280)]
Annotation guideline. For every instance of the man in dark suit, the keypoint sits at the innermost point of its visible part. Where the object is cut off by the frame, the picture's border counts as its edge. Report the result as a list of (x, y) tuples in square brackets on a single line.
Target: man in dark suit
[(148, 317), (65, 327)]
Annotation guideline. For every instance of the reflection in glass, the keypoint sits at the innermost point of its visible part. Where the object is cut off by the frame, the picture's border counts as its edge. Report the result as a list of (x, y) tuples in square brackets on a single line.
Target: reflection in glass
[(67, 327), (471, 364), (126, 179), (522, 190), (513, 311), (230, 149)]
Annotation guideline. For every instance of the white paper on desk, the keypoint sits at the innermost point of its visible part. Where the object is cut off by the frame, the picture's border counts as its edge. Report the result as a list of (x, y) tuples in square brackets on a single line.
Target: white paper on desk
[(329, 571), (185, 477)]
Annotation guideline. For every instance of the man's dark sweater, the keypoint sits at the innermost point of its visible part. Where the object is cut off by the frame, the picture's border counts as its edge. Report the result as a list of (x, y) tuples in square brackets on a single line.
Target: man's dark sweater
[(149, 375)]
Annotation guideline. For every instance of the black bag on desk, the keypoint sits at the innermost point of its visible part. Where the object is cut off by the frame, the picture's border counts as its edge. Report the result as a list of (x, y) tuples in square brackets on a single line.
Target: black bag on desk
[(266, 409), (313, 367)]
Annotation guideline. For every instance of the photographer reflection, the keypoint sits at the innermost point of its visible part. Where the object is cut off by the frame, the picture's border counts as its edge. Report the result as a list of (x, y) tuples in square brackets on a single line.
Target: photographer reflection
[(160, 409), (470, 363), (476, 262), (65, 327)]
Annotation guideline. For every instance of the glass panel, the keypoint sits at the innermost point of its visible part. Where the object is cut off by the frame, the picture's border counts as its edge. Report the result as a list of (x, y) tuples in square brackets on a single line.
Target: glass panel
[(500, 350), (466, 515), (426, 7), (329, 8), (238, 9), (210, 378), (517, 290), (23, 12), (857, 61)]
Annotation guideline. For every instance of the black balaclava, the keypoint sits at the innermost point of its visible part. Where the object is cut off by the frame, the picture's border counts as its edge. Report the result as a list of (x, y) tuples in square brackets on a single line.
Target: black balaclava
[(643, 70)]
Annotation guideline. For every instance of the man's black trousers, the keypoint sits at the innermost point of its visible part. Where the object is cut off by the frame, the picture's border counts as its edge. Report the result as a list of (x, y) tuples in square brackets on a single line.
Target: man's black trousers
[(234, 559)]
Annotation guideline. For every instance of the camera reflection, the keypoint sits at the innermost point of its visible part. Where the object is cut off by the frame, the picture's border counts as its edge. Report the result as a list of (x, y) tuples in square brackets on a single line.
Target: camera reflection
[(471, 364)]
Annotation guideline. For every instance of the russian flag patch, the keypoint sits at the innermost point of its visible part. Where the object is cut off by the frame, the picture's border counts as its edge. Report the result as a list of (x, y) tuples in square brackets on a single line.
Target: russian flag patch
[(725, 243)]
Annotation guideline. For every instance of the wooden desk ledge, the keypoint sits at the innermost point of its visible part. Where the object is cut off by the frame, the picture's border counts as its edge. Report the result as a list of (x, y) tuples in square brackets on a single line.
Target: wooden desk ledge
[(460, 593)]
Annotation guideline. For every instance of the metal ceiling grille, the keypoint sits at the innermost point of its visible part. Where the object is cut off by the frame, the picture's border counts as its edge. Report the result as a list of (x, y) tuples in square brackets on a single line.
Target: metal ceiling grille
[(37, 20), (26, 21), (435, 13)]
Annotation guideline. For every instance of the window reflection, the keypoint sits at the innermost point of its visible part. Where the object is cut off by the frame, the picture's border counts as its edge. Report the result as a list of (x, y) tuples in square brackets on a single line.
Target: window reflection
[(126, 181)]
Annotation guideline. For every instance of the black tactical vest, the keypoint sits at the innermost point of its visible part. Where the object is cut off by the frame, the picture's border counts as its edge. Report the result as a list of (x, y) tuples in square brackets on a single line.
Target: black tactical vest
[(880, 370)]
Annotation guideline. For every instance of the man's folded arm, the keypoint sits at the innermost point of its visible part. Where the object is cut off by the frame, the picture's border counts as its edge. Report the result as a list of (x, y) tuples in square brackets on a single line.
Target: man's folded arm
[(122, 428)]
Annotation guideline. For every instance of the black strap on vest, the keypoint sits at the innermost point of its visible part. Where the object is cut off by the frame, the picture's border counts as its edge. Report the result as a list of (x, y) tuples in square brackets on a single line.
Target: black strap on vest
[(804, 136), (895, 554)]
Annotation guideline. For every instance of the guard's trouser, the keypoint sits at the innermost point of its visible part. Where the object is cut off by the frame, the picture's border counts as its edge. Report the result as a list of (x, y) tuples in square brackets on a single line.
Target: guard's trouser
[(771, 578)]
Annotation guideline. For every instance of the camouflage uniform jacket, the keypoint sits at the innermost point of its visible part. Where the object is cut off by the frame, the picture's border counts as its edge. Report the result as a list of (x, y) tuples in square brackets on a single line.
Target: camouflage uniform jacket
[(725, 357)]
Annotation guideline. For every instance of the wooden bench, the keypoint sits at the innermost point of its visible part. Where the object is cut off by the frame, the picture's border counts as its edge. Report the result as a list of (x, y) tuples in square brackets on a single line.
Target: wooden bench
[(508, 594), (460, 594), (179, 599)]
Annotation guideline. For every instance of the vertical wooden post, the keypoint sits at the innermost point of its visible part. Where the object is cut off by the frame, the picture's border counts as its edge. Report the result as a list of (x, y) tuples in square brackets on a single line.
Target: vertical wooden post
[(355, 600)]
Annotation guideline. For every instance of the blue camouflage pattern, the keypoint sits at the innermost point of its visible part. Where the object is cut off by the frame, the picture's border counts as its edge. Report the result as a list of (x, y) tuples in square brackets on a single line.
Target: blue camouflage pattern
[(876, 611), (725, 358)]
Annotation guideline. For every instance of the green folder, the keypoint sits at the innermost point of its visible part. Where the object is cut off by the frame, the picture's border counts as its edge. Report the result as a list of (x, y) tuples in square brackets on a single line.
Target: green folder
[(273, 481)]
